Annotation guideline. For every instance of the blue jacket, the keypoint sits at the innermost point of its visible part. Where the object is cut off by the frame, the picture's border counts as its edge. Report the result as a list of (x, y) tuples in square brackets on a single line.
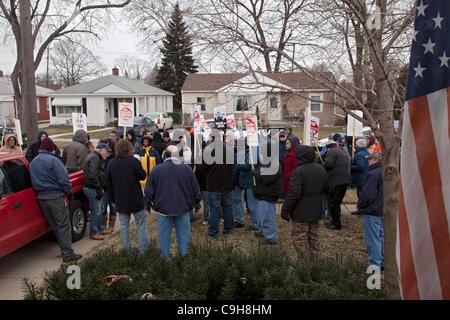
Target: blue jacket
[(172, 188), (282, 152), (48, 174), (359, 167), (371, 195), (245, 175)]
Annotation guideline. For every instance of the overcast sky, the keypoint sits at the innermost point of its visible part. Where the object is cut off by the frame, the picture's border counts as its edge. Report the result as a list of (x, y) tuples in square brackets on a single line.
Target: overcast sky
[(118, 42)]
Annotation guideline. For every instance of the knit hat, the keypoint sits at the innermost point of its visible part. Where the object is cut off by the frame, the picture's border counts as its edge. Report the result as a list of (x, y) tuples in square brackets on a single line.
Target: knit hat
[(166, 134), (47, 145), (103, 146), (372, 139), (336, 136), (361, 143)]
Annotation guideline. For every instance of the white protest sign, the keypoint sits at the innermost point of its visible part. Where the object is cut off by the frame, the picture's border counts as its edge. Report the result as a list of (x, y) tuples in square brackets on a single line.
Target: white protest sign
[(251, 125), (354, 127), (126, 114), (231, 122), (197, 124), (220, 117), (204, 125), (18, 131), (315, 128), (307, 127), (79, 121)]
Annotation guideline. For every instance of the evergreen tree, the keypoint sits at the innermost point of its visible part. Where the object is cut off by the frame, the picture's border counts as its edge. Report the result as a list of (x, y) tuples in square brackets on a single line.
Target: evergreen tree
[(177, 59)]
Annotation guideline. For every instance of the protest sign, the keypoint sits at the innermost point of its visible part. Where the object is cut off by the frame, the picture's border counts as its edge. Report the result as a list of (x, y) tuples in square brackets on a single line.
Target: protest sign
[(314, 133), (231, 123), (220, 117), (18, 132), (79, 121), (354, 127), (197, 124), (251, 125), (126, 114), (307, 127)]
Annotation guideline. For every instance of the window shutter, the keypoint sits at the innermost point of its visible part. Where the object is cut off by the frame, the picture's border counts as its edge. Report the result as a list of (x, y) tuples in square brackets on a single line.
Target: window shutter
[(84, 106)]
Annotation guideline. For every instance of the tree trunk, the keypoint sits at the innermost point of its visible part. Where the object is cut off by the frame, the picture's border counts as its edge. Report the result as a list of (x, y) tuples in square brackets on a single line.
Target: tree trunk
[(28, 105), (390, 143)]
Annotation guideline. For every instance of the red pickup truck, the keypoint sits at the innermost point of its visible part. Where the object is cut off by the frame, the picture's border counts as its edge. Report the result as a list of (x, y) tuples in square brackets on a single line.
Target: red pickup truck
[(21, 218)]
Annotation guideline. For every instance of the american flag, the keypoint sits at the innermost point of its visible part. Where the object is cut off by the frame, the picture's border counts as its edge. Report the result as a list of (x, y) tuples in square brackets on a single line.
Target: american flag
[(423, 242)]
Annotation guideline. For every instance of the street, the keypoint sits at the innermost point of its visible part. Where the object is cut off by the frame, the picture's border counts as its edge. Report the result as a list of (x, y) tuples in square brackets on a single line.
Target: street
[(33, 260)]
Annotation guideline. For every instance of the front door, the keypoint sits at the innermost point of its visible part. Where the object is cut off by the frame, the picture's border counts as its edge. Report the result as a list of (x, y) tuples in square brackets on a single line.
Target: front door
[(274, 110)]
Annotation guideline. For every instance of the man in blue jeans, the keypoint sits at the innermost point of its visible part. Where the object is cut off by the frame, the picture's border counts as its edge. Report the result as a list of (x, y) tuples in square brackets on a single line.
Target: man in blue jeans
[(370, 203), (219, 185), (94, 182), (173, 191), (246, 182), (266, 191)]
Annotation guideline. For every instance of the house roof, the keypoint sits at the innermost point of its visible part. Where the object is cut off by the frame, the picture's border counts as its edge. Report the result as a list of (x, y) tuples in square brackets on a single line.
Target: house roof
[(6, 89), (213, 82), (136, 87)]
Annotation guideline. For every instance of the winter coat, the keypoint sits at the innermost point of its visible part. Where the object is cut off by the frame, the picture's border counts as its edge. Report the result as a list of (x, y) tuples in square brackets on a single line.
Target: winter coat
[(359, 167), (33, 150), (337, 165), (122, 182), (267, 186), (7, 148), (290, 164), (282, 152), (219, 177), (308, 183), (76, 152), (94, 171), (48, 175), (370, 199), (158, 143), (149, 159), (245, 175), (172, 188)]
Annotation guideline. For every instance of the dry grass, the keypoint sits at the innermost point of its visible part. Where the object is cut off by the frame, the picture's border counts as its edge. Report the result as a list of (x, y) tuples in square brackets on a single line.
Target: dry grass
[(335, 243), (52, 130)]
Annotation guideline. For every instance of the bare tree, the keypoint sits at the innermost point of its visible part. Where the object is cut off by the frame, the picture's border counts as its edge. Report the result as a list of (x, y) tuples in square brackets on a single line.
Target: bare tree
[(73, 62), (133, 67), (34, 27)]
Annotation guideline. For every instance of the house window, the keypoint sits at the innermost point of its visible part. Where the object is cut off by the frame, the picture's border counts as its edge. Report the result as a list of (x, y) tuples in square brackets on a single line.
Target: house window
[(66, 111), (274, 102), (316, 105), (202, 102), (242, 103)]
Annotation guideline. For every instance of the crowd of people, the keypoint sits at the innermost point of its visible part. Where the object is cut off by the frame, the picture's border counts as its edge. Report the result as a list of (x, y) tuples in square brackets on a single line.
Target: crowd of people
[(132, 176)]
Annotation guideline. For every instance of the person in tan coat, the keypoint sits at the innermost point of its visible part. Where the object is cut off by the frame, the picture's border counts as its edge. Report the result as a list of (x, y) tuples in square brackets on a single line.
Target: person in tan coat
[(75, 153), (10, 145)]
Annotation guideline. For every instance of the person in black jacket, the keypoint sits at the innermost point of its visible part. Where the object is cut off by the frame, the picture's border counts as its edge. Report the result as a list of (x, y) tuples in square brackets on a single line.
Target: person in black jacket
[(370, 203), (106, 202), (303, 204), (33, 150), (123, 177), (219, 185), (266, 191), (158, 143), (337, 165), (94, 182)]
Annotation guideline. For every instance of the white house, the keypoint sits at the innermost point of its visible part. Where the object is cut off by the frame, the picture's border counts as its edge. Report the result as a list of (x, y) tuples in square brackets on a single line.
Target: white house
[(99, 100), (8, 104)]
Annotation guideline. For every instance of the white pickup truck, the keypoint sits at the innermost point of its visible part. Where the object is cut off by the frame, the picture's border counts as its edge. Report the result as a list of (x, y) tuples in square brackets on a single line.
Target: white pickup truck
[(161, 119)]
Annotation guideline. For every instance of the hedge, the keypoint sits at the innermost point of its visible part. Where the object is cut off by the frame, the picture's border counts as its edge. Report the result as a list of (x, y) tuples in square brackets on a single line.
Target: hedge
[(212, 273)]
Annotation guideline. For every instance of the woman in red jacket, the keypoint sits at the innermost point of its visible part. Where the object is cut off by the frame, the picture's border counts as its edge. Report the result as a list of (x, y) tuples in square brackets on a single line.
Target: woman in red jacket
[(290, 161)]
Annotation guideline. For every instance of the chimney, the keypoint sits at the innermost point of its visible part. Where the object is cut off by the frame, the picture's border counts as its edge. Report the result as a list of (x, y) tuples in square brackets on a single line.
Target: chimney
[(115, 71), (1, 74)]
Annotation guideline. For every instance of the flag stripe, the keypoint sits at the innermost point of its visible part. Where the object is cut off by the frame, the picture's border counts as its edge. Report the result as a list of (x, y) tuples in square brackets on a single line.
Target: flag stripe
[(439, 106), (423, 255), (407, 273), (428, 166)]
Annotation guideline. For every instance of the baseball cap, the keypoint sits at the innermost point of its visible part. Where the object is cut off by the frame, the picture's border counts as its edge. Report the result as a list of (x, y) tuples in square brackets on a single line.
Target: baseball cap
[(342, 141), (283, 133), (103, 146)]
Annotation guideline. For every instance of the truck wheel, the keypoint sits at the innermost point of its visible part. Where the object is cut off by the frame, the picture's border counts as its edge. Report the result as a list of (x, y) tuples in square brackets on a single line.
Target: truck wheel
[(78, 220)]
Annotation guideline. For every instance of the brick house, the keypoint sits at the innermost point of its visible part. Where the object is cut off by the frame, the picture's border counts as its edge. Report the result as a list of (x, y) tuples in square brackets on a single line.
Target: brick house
[(280, 97)]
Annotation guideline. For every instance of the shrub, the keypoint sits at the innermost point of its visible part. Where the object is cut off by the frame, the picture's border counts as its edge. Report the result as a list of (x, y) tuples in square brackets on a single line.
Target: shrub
[(210, 272)]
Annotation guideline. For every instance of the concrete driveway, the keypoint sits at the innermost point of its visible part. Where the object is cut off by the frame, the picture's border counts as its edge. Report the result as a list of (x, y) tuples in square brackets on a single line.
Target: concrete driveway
[(33, 260)]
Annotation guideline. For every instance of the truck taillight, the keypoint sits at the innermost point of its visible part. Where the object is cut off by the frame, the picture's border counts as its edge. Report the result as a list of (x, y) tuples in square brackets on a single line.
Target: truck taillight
[(159, 121), (138, 127)]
